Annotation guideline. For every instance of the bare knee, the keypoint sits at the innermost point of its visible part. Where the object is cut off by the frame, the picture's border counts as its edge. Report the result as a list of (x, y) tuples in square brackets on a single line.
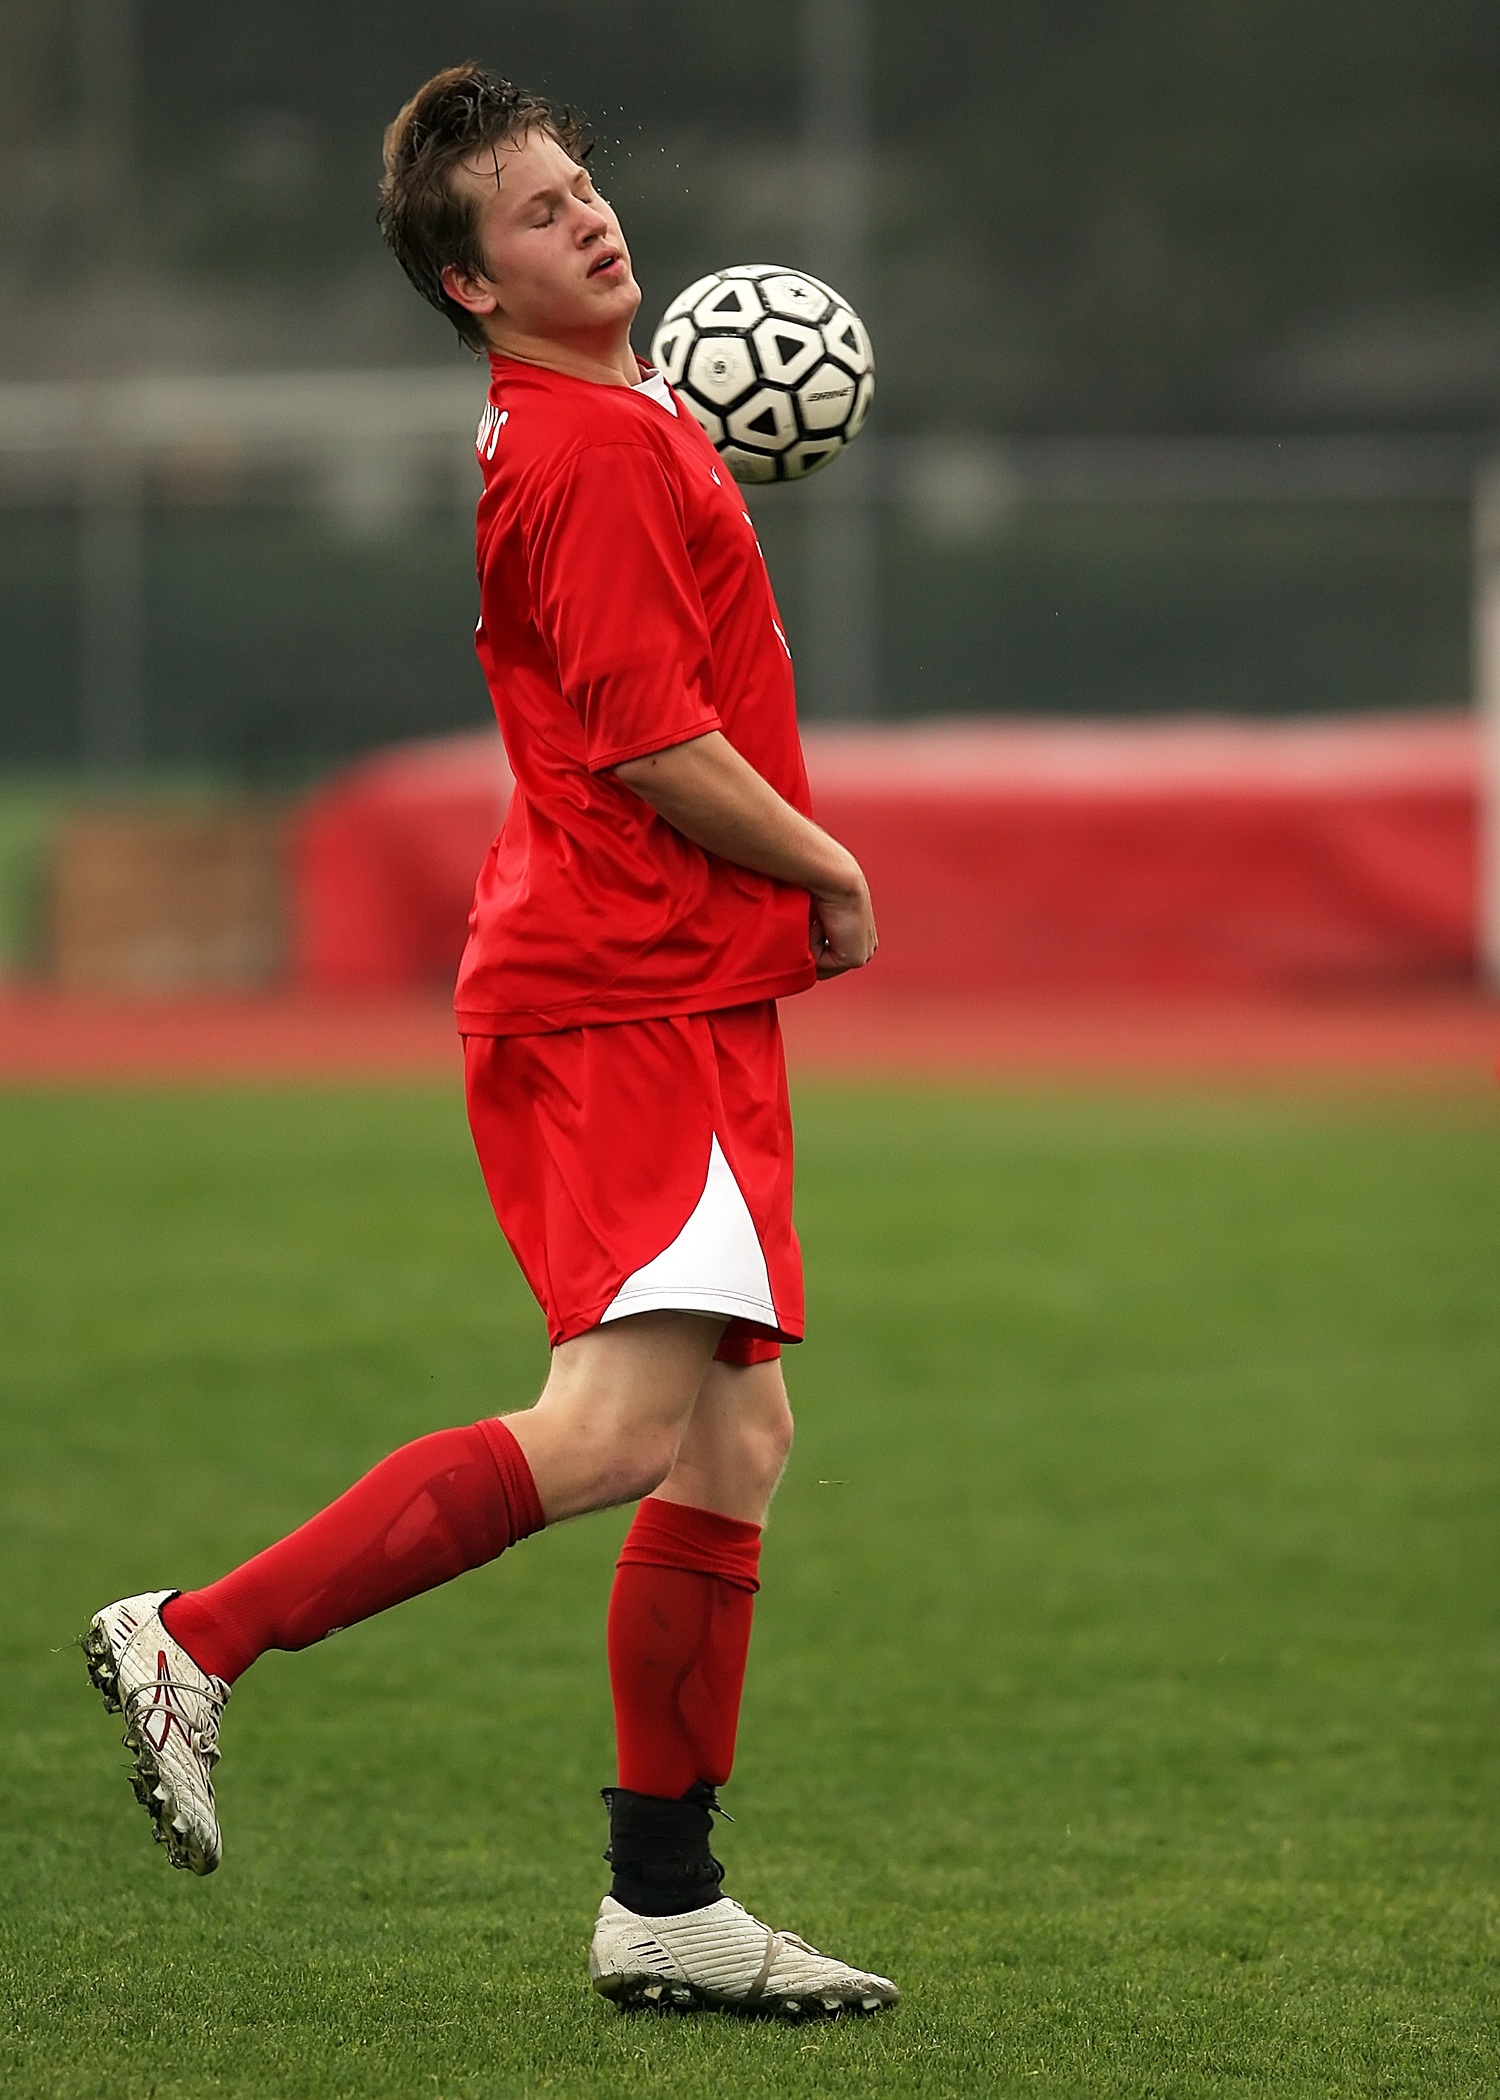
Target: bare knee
[(767, 1445), (608, 1425), (626, 1467), (736, 1445), (593, 1461)]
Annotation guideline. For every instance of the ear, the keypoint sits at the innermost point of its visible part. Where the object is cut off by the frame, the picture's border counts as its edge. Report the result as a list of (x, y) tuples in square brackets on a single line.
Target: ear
[(475, 294)]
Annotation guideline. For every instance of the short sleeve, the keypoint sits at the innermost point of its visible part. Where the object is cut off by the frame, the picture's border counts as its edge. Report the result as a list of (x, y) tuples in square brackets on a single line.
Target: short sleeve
[(618, 606)]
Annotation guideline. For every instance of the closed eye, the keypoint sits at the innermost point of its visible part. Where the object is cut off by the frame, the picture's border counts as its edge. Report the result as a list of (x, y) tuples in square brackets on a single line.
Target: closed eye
[(548, 203)]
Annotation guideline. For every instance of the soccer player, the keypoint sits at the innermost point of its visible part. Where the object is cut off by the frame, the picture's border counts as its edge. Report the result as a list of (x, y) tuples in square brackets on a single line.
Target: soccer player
[(656, 887)]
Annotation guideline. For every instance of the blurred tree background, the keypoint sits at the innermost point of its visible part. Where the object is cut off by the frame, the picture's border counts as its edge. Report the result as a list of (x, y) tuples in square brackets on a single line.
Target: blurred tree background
[(1148, 217)]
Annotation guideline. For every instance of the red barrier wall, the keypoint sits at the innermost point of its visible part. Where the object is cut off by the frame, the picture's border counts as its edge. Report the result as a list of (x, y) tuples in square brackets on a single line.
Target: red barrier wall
[(1005, 855), (384, 858)]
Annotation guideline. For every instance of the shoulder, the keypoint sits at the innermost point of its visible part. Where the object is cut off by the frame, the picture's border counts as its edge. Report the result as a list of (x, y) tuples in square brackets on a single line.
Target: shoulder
[(538, 424)]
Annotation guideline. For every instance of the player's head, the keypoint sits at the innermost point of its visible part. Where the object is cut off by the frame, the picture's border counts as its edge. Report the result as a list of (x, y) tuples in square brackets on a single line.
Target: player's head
[(487, 205)]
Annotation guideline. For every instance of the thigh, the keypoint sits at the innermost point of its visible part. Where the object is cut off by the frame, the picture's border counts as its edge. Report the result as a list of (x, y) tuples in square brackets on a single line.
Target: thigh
[(645, 1166), (755, 1125), (594, 1145)]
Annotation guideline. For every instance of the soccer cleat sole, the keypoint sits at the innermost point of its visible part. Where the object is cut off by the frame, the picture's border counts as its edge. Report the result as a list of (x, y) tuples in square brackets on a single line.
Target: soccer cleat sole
[(103, 1675), (149, 1784), (651, 1994)]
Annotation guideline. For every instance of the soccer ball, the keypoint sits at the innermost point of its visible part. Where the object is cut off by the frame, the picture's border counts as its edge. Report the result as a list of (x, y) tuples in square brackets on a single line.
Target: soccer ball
[(775, 365)]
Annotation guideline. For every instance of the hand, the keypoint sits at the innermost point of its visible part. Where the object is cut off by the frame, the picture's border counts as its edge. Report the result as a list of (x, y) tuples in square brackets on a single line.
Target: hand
[(843, 931), (708, 792)]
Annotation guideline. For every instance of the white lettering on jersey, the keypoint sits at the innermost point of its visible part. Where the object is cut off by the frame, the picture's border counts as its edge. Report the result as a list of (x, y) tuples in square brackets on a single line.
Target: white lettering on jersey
[(491, 423)]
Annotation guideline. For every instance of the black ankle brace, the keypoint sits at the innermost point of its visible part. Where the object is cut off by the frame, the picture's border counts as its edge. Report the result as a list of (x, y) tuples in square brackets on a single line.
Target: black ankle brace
[(660, 1852)]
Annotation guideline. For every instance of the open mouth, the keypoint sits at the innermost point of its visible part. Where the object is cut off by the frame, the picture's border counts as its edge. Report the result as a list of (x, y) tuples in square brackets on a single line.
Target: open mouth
[(607, 261)]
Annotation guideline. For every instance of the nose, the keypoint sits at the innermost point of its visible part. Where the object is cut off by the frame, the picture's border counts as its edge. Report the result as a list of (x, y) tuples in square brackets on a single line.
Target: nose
[(592, 221)]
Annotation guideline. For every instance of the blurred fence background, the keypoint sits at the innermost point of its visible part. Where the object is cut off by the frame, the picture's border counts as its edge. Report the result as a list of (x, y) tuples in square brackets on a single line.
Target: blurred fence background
[(253, 577), (1187, 319)]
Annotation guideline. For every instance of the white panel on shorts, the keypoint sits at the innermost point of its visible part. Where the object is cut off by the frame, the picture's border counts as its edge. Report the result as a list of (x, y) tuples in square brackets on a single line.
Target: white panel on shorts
[(715, 1264)]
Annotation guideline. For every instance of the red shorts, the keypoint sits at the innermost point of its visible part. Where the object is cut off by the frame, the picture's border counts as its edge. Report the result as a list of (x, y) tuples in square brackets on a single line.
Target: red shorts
[(645, 1165)]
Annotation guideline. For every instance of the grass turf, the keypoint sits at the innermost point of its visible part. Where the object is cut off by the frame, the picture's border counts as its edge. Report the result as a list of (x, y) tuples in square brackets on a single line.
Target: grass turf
[(1125, 1680)]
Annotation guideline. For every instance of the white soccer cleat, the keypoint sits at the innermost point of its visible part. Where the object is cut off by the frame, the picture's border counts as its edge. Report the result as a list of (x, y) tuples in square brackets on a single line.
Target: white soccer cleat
[(172, 1711), (722, 1956)]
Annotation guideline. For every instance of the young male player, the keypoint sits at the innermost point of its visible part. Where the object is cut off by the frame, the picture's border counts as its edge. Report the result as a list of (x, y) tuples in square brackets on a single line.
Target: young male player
[(656, 887)]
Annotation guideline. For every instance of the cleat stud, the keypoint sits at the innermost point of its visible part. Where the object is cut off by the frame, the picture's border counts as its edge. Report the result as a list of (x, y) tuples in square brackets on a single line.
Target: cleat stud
[(869, 2005)]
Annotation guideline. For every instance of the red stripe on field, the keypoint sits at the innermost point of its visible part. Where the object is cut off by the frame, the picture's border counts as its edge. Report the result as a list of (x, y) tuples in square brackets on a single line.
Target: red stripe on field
[(1446, 1037), (850, 1028), (58, 1037)]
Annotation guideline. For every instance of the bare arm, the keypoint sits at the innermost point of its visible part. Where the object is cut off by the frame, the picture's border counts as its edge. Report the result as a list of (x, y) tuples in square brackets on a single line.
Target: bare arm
[(705, 790)]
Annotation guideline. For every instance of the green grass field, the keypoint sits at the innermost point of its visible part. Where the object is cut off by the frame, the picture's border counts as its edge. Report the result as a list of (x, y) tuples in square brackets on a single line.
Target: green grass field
[(1127, 1675)]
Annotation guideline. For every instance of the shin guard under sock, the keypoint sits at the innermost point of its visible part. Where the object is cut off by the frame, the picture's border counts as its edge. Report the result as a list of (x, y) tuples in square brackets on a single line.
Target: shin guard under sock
[(679, 1636), (437, 1507)]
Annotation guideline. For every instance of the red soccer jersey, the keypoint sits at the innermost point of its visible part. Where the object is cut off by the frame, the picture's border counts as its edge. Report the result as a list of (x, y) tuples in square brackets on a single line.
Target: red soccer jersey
[(624, 607)]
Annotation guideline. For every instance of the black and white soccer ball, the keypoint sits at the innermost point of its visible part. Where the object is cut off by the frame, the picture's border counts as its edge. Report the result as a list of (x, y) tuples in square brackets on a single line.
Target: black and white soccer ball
[(775, 365)]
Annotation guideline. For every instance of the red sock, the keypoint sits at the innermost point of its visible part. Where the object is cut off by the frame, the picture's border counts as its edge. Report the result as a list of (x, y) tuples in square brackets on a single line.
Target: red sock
[(679, 1635), (449, 1502)]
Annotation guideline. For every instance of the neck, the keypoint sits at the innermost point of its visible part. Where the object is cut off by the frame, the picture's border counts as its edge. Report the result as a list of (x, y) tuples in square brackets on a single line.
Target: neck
[(610, 363)]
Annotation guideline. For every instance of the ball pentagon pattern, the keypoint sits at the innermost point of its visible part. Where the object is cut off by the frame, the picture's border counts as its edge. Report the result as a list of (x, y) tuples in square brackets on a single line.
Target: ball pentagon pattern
[(775, 365)]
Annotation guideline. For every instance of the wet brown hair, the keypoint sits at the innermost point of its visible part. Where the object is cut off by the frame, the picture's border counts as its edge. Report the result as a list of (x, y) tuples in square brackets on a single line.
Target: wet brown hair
[(429, 222)]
